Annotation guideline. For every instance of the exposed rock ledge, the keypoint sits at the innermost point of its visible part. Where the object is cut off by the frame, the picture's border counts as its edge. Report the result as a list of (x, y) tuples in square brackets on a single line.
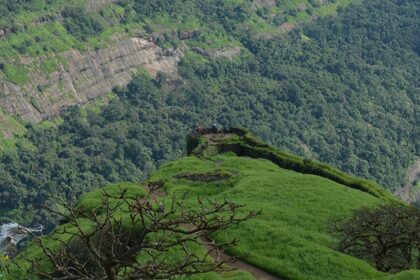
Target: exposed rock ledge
[(85, 76)]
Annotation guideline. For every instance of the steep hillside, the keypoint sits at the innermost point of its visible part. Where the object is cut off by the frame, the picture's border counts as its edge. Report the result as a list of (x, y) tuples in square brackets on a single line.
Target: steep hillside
[(83, 77), (54, 55), (340, 89), (292, 238)]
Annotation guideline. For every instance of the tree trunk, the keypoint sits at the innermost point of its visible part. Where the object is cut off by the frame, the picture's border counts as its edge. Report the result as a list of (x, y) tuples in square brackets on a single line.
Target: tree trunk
[(418, 258), (111, 273)]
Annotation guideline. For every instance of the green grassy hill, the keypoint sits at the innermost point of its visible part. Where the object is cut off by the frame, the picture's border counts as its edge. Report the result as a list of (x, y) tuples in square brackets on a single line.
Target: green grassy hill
[(291, 239)]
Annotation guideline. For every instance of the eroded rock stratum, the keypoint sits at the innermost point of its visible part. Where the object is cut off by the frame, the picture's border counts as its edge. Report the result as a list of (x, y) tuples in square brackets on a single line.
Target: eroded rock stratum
[(83, 76)]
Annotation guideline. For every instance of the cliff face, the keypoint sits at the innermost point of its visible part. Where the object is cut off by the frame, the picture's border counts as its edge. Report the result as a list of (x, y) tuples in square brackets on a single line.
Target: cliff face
[(81, 77)]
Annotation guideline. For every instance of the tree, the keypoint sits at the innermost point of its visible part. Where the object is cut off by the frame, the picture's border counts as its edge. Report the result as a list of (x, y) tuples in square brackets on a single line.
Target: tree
[(81, 24), (388, 236), (129, 238)]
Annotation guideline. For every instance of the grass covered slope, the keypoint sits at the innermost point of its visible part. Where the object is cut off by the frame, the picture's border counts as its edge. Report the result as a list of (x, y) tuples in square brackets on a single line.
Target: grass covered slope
[(93, 201), (243, 143), (292, 237)]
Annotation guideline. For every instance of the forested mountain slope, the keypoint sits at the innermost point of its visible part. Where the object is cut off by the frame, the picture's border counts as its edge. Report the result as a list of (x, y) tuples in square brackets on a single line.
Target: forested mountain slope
[(54, 54), (343, 89)]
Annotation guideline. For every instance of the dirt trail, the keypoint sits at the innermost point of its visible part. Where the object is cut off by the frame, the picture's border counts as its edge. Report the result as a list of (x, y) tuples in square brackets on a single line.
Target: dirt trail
[(259, 274)]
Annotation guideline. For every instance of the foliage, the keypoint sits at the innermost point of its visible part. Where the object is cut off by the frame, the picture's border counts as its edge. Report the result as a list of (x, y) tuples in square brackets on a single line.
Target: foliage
[(49, 66), (342, 90), (32, 20), (387, 236), (293, 230), (9, 126), (243, 143), (80, 24), (16, 74), (405, 275), (132, 239), (92, 201)]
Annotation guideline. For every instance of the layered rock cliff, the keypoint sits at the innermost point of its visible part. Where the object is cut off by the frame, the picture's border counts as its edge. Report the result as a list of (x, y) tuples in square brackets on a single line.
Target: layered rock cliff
[(81, 77)]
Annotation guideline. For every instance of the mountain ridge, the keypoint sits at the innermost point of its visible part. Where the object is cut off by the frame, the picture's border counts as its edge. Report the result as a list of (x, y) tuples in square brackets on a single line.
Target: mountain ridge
[(292, 238), (209, 142)]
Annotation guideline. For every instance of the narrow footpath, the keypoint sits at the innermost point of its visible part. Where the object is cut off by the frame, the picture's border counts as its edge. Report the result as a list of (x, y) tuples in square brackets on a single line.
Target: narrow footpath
[(258, 273)]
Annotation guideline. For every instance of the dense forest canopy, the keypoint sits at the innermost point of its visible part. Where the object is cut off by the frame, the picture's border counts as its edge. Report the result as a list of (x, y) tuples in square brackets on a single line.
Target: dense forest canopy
[(343, 90)]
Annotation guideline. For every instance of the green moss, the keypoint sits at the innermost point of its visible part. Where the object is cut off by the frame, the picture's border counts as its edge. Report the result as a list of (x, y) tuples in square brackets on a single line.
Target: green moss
[(17, 74), (50, 65), (11, 127)]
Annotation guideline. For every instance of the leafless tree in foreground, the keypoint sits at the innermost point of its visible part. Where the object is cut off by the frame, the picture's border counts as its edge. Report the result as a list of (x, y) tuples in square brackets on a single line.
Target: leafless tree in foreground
[(126, 238), (388, 236)]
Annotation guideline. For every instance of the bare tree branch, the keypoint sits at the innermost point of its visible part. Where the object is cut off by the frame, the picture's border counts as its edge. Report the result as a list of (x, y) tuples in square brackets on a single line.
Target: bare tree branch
[(130, 238), (388, 236)]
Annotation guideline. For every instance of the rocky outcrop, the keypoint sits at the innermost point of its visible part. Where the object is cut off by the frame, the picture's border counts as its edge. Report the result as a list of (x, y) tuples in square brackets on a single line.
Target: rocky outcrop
[(218, 53), (410, 192), (157, 37), (84, 76)]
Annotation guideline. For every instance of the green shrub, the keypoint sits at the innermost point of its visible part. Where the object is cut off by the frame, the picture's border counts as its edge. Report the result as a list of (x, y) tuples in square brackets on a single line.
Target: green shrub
[(80, 24), (49, 66)]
